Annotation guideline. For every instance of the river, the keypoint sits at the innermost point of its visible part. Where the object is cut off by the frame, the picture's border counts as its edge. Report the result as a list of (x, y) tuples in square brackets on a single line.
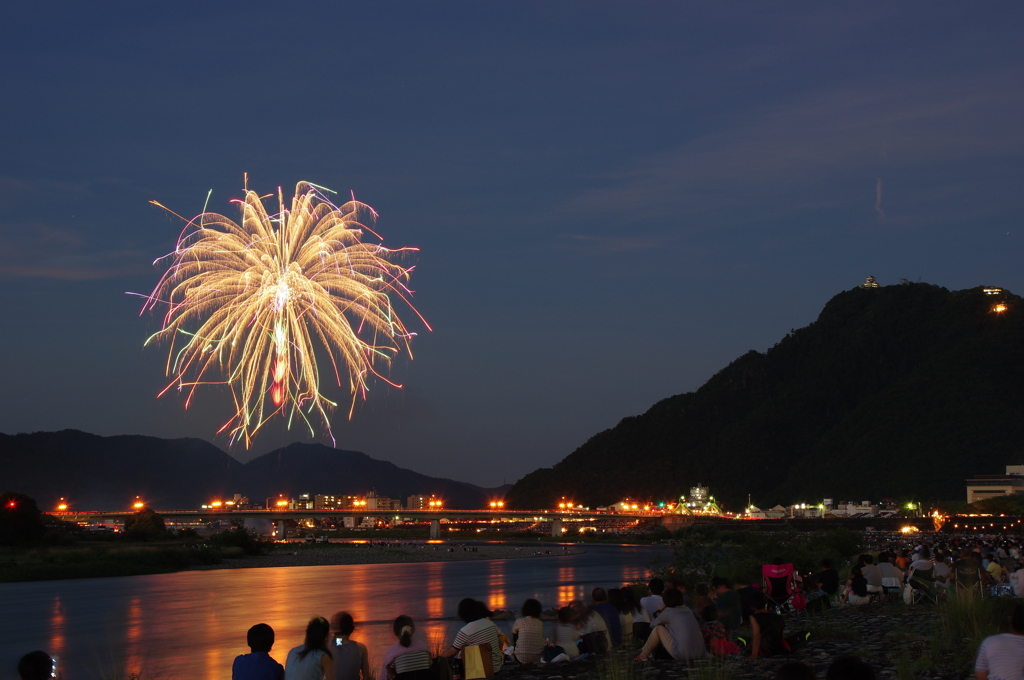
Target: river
[(192, 624)]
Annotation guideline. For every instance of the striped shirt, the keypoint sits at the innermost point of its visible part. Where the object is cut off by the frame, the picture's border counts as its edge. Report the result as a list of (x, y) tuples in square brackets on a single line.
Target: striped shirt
[(477, 633), (1002, 656)]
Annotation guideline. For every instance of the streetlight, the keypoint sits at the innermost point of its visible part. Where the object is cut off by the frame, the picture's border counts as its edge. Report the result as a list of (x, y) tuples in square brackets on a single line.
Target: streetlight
[(138, 504), (62, 505)]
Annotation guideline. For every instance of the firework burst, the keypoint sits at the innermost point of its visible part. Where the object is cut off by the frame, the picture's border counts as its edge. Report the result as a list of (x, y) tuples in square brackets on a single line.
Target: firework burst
[(249, 304)]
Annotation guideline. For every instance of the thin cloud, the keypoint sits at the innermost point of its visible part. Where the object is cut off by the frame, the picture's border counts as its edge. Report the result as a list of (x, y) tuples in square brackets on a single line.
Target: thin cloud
[(878, 199), (39, 251), (808, 141)]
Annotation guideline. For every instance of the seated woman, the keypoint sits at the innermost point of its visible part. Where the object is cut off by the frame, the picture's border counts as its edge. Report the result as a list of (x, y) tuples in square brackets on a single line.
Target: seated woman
[(312, 660), (566, 632), (478, 630), (856, 588), (407, 658), (528, 633), (676, 630)]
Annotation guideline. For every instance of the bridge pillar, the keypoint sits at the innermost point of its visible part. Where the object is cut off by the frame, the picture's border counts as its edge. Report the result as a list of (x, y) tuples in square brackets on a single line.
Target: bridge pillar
[(556, 528), (435, 529), (281, 530)]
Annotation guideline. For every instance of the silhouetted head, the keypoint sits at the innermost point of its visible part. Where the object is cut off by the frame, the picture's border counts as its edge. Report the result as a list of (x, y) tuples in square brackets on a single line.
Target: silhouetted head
[(343, 624), (531, 608), (35, 666), (598, 595), (657, 586), (260, 638)]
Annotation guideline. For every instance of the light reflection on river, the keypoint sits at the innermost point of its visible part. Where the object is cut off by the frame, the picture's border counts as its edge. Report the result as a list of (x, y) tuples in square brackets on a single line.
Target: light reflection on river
[(192, 624)]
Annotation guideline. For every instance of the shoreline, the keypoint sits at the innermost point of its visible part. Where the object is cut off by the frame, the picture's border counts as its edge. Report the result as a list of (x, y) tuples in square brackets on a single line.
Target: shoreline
[(385, 553)]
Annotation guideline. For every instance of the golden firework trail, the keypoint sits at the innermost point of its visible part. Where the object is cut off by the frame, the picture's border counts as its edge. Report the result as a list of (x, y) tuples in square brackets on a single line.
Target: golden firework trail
[(249, 304)]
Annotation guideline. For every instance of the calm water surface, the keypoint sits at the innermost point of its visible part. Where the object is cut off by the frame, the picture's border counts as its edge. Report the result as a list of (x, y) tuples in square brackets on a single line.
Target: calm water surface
[(192, 624)]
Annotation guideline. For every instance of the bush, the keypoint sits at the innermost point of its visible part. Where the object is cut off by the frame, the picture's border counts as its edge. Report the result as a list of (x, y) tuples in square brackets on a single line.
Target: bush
[(144, 525), (21, 522), (238, 537), (706, 551)]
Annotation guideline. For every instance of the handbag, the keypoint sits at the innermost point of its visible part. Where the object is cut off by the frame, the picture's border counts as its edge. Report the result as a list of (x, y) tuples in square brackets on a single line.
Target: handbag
[(477, 662), (595, 643)]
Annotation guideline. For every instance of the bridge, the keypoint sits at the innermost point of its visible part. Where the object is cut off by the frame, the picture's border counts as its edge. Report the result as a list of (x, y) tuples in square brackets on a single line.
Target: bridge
[(434, 516)]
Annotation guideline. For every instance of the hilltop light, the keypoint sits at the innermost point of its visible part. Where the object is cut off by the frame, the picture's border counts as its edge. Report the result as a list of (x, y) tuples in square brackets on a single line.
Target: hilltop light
[(999, 308)]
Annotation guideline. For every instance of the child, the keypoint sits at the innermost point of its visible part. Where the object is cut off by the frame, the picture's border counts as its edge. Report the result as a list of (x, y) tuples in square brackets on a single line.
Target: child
[(258, 664)]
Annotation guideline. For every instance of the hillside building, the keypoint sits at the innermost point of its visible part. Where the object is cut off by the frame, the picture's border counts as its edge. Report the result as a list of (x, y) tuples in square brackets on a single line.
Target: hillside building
[(981, 487)]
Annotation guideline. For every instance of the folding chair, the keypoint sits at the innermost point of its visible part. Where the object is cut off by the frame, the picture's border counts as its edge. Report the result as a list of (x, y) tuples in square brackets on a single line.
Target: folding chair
[(968, 576), (923, 583), (778, 585)]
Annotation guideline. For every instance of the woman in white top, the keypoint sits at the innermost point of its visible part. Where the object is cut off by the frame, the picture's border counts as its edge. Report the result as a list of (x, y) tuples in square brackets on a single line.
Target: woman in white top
[(312, 660), (566, 632)]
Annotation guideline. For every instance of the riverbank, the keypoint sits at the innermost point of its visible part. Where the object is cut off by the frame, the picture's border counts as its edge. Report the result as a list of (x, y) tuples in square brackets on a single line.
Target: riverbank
[(898, 641), (299, 555)]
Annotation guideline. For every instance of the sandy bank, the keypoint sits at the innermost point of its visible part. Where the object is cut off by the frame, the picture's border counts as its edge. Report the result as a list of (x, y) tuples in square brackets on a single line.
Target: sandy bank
[(300, 555)]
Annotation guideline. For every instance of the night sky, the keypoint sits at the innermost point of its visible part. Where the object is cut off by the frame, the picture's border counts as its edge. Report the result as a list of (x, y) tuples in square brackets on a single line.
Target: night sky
[(612, 200)]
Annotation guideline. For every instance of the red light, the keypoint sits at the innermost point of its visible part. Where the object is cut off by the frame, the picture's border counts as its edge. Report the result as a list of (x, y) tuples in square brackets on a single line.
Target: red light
[(12, 504)]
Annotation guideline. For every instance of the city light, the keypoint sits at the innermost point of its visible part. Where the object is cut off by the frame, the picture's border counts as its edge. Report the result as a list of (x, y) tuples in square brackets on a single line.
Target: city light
[(62, 505), (497, 504), (434, 505), (282, 503), (999, 308), (216, 504)]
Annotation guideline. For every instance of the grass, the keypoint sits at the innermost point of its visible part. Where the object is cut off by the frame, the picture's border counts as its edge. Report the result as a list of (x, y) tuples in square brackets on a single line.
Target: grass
[(87, 560), (712, 668)]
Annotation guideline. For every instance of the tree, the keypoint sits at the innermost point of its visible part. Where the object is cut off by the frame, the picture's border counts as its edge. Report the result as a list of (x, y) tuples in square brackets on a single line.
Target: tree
[(21, 522), (144, 525)]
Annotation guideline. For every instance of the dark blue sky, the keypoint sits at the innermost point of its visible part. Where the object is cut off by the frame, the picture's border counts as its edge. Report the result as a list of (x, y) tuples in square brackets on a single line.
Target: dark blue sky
[(612, 200)]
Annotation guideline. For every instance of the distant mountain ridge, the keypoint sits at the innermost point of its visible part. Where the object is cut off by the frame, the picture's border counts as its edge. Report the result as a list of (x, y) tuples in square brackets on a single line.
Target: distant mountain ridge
[(898, 391), (105, 473)]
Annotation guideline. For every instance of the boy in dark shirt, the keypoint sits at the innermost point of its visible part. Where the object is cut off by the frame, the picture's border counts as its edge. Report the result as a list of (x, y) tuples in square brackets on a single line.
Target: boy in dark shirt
[(258, 665)]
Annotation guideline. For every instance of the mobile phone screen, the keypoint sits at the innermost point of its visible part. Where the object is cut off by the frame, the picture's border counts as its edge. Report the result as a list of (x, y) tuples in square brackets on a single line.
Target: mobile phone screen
[(53, 666)]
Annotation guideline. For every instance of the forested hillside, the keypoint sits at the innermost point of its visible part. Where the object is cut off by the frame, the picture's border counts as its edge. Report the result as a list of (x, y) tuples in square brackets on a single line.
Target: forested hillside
[(896, 391)]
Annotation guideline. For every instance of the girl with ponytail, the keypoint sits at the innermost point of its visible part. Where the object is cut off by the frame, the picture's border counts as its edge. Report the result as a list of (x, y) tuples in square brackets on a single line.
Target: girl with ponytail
[(408, 643)]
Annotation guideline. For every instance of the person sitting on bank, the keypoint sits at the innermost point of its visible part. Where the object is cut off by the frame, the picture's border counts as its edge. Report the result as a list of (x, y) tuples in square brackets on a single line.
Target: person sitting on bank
[(528, 633), (351, 660), (610, 615), (727, 601), (856, 592), (872, 574), (257, 664), (1002, 656), (312, 660), (479, 629), (653, 602), (674, 631), (827, 579), (767, 629)]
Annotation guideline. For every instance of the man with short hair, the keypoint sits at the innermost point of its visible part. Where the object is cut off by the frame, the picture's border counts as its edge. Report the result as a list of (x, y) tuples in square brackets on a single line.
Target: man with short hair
[(1001, 657), (653, 602), (258, 664), (609, 613)]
